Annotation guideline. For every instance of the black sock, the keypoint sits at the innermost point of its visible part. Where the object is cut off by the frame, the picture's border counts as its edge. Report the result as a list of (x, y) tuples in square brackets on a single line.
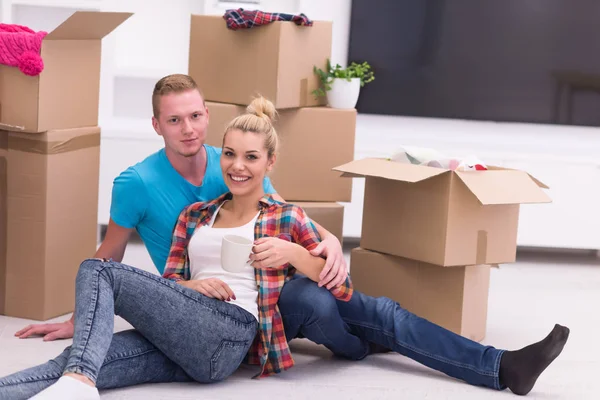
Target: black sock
[(520, 369)]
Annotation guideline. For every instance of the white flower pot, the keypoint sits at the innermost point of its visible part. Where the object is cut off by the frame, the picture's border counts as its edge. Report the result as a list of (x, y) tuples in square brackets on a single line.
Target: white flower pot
[(343, 93)]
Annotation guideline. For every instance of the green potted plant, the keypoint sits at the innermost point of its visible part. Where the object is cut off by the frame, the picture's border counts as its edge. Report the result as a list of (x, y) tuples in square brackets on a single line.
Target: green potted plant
[(342, 85)]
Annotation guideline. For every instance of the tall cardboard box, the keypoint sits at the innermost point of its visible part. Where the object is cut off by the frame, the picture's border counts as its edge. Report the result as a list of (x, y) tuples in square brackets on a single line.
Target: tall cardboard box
[(313, 140), (275, 60), (66, 93), (454, 298), (442, 217), (48, 218), (329, 215)]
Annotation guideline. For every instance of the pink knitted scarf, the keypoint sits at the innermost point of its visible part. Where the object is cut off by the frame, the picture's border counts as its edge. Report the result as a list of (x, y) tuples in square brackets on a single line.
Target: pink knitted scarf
[(21, 47)]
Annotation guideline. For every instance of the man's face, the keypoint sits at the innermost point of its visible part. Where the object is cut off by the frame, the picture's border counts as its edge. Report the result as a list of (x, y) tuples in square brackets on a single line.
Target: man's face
[(182, 122)]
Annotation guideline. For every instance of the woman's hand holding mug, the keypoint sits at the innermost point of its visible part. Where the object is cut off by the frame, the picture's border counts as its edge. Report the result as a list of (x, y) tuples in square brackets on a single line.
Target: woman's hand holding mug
[(269, 252)]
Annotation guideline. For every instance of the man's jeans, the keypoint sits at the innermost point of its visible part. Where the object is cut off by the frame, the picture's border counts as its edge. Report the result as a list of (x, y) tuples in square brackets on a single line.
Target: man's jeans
[(345, 328), (181, 335)]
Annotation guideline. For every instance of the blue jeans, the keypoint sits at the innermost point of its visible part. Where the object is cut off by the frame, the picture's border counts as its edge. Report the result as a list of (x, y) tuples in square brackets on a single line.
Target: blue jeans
[(180, 335), (346, 328)]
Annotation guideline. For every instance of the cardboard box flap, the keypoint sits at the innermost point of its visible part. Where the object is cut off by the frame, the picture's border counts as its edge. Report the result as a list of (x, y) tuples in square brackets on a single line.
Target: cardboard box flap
[(382, 168), (503, 187), (88, 25), (537, 181)]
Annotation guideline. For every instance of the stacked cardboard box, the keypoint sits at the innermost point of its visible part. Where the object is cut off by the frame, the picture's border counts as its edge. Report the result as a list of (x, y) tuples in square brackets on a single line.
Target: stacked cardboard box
[(430, 236), (276, 61), (49, 168)]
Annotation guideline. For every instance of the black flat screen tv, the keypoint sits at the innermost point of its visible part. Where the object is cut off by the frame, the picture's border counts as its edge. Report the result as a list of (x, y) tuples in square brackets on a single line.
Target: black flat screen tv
[(535, 61)]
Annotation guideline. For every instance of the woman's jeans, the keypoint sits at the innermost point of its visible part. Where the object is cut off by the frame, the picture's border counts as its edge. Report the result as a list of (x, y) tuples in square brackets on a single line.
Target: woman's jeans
[(181, 335), (347, 328)]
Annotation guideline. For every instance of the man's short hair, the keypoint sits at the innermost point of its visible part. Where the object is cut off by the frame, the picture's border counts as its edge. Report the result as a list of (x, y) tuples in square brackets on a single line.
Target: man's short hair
[(175, 83)]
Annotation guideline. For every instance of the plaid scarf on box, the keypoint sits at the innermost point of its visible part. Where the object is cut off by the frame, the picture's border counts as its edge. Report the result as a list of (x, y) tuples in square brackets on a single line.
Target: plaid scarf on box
[(243, 19)]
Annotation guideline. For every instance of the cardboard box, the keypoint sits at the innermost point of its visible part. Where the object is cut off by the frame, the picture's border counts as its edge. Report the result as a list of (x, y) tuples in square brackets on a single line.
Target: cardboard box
[(313, 140), (454, 298), (48, 218), (274, 60), (66, 93), (443, 217), (329, 215)]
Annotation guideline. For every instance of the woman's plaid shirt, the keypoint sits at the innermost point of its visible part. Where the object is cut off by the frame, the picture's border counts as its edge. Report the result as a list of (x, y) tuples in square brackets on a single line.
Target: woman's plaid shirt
[(283, 220)]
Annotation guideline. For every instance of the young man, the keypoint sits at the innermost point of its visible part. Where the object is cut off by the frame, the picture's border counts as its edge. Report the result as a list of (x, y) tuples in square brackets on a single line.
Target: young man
[(149, 196)]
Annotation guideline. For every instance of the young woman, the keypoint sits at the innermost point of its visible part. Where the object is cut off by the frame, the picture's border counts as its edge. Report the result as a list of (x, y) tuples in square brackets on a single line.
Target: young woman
[(198, 322), (281, 232)]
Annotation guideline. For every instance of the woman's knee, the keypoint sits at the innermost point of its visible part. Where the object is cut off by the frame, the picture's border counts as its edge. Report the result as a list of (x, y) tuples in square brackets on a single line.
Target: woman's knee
[(91, 263), (88, 266), (96, 267)]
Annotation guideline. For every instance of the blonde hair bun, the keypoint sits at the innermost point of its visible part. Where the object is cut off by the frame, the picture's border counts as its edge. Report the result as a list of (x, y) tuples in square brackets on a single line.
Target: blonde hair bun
[(263, 108), (258, 118)]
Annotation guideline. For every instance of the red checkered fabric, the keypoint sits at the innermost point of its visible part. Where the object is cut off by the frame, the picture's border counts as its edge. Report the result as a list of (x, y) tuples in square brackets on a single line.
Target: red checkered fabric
[(245, 19)]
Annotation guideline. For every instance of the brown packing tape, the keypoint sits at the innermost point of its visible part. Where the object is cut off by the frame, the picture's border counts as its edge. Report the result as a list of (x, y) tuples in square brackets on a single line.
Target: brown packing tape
[(304, 92), (7, 126), (3, 225), (11, 127), (32, 145), (482, 245), (3, 141)]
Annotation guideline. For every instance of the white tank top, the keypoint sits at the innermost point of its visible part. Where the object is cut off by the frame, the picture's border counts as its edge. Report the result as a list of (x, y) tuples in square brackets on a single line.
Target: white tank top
[(204, 251)]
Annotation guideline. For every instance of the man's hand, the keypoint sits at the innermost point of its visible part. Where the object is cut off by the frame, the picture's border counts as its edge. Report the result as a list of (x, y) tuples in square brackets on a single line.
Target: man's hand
[(61, 330), (335, 271), (211, 287), (271, 252)]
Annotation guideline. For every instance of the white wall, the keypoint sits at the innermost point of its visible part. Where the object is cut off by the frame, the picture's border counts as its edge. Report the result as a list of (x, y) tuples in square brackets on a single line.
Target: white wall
[(337, 11)]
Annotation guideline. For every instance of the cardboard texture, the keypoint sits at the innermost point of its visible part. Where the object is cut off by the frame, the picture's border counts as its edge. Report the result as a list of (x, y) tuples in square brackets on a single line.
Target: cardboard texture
[(329, 215), (454, 298), (48, 225), (66, 93), (274, 60), (313, 140), (442, 217)]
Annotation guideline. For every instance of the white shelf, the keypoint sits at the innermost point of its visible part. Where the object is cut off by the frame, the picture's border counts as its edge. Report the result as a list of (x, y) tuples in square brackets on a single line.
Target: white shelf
[(58, 3), (153, 74), (216, 7), (129, 129), (45, 16)]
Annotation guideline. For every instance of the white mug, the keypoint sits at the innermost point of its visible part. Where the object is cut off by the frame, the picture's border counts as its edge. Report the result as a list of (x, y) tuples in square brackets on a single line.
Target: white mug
[(235, 252)]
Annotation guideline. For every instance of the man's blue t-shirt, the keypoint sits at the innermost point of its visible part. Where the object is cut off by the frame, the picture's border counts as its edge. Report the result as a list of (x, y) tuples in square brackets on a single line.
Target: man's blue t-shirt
[(150, 195)]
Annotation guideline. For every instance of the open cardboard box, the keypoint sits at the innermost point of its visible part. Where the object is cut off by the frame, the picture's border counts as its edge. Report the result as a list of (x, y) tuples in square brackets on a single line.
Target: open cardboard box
[(66, 93), (442, 217), (274, 60)]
